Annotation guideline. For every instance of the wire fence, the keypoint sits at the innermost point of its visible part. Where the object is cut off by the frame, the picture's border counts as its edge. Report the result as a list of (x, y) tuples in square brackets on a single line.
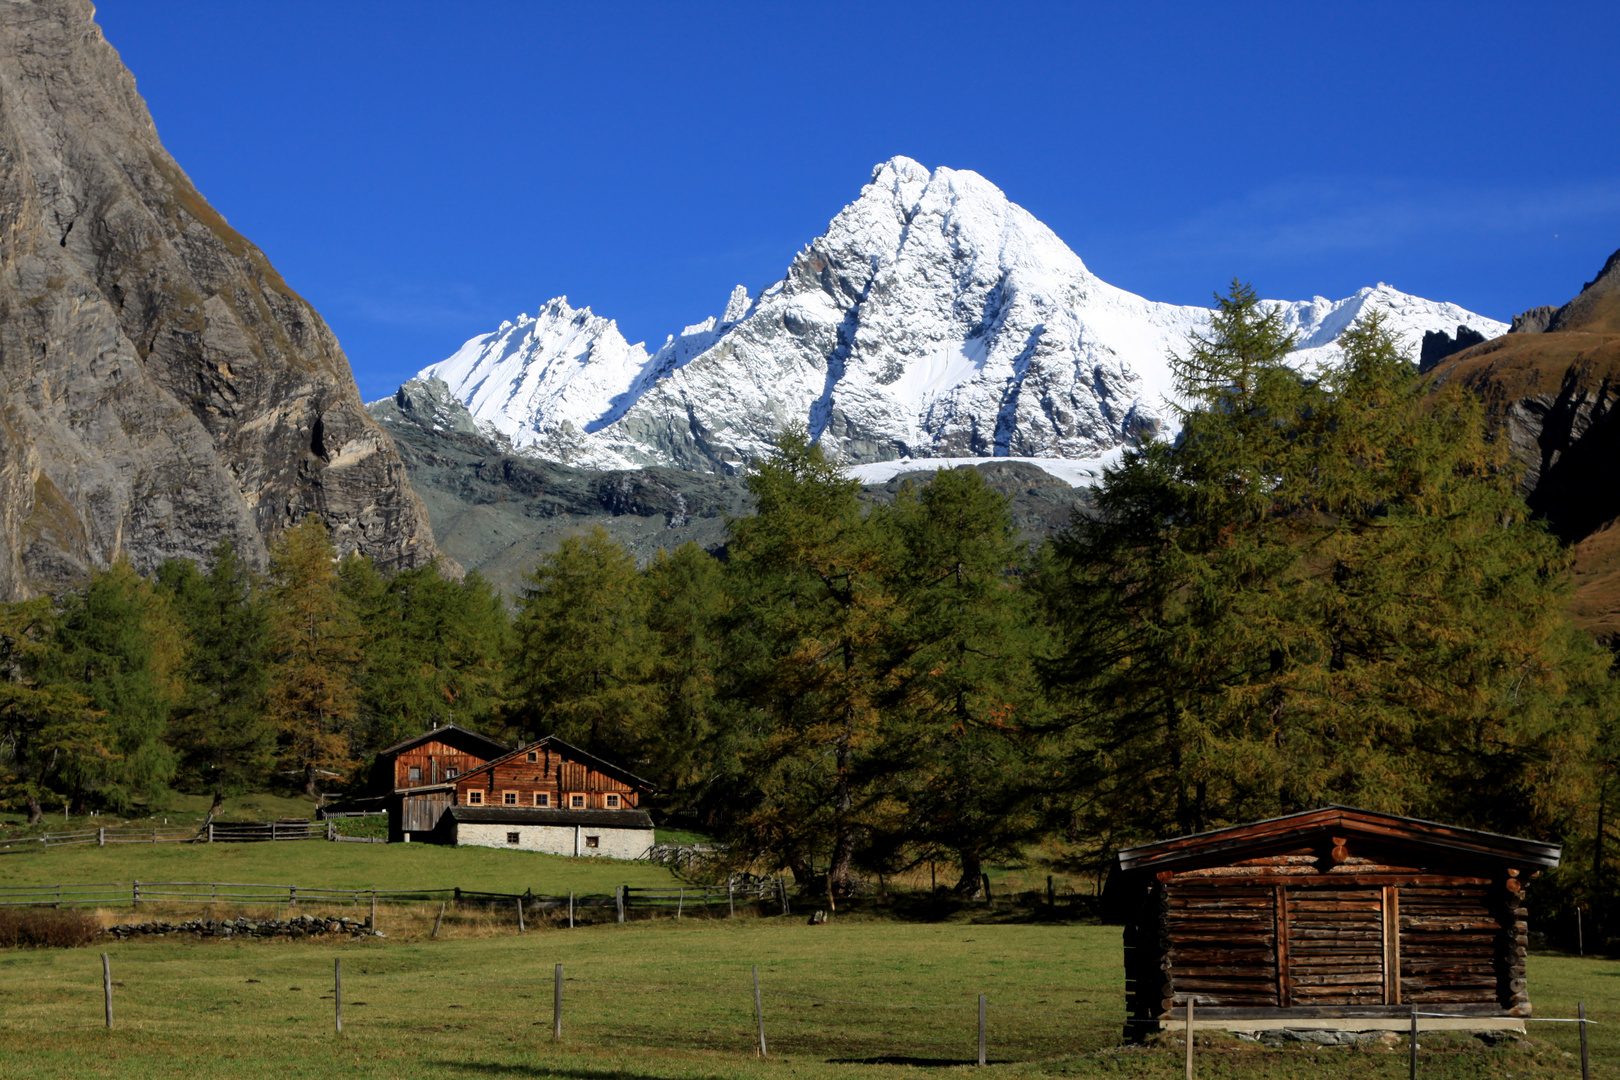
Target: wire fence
[(770, 1014)]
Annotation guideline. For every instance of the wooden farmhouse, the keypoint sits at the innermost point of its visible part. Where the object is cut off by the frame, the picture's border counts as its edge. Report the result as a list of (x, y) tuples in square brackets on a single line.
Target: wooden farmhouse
[(547, 796), (415, 774), (1335, 918)]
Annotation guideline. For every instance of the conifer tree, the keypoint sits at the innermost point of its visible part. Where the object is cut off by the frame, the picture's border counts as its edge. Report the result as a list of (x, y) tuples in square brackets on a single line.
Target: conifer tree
[(690, 746), (966, 708), (811, 615), (315, 656), (52, 743), (584, 658), (1327, 590), (225, 744), (119, 644)]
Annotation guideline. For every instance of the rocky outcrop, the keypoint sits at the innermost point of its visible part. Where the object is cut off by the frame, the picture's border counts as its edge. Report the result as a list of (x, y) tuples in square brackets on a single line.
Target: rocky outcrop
[(163, 388), (1437, 345), (1533, 321), (498, 512), (1556, 395)]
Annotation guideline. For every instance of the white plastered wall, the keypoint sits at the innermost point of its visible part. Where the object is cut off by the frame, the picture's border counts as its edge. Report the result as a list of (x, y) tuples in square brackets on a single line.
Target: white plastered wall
[(557, 839)]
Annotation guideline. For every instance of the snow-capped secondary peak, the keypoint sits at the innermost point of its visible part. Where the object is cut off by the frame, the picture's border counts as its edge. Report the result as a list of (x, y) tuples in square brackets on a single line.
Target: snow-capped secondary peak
[(933, 318)]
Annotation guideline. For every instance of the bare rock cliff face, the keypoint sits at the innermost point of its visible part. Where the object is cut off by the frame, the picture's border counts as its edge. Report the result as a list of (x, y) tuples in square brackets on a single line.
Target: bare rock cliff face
[(1556, 394), (161, 387)]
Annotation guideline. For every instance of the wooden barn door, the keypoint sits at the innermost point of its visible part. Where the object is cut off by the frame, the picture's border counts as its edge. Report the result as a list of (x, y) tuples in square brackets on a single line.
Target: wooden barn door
[(1335, 946), (1450, 937)]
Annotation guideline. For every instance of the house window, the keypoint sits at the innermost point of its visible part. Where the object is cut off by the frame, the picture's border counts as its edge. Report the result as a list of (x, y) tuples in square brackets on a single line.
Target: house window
[(612, 802), (593, 841), (450, 774), (414, 772), (511, 838), (534, 755), (542, 798), (509, 798), (576, 802), (475, 798)]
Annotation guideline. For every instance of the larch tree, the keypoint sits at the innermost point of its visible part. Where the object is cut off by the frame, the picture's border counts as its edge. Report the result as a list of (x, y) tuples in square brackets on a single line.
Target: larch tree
[(315, 656)]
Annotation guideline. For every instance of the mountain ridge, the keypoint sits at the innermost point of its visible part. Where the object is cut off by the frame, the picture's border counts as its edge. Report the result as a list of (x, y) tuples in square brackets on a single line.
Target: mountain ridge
[(933, 318)]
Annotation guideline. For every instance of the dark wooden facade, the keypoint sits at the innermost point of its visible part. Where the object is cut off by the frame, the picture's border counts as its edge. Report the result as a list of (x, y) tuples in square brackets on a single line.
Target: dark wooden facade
[(417, 775), (550, 774), (1335, 914)]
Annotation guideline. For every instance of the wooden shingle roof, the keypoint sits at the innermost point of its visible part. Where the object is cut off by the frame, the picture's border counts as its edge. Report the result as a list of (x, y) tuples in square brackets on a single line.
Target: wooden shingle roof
[(1259, 838)]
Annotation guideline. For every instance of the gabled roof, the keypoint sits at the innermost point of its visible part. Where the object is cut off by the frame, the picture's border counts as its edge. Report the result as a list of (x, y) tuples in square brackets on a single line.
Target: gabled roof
[(573, 753), (1260, 837), (539, 815), (448, 732)]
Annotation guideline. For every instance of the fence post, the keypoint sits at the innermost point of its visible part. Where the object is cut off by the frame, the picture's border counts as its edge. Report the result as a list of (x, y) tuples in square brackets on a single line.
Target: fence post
[(570, 915), (1051, 892), (781, 888), (520, 914), (337, 992), (101, 836), (373, 912), (556, 1003), (1586, 1065), (731, 900), (210, 832), (618, 896), (440, 920), (59, 897), (1411, 1062), (135, 894), (981, 1028), (292, 895), (680, 902), (107, 990), (1189, 1038), (759, 1014), (154, 834)]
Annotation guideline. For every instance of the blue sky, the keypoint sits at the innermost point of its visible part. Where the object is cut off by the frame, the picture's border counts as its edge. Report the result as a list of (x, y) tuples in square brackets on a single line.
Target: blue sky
[(421, 171)]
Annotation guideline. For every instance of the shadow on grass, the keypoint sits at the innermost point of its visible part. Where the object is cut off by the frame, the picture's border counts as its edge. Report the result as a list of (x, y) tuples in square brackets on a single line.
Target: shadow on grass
[(574, 1072)]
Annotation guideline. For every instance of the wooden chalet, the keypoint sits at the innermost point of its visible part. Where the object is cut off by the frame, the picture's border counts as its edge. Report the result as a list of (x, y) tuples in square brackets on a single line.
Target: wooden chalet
[(546, 796), (1334, 918), (414, 775)]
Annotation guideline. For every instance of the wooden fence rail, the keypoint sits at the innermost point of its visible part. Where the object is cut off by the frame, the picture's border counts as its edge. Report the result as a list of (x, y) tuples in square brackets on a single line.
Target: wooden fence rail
[(230, 832)]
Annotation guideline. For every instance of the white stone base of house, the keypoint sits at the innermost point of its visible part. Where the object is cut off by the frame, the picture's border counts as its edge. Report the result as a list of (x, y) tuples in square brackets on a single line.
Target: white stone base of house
[(609, 843)]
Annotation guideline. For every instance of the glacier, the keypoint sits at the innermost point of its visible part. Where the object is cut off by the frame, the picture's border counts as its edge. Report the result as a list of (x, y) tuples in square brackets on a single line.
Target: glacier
[(934, 319)]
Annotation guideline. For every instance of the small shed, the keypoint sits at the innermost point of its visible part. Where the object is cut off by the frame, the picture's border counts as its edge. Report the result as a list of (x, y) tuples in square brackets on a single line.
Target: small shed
[(1338, 918), (547, 796), (416, 776)]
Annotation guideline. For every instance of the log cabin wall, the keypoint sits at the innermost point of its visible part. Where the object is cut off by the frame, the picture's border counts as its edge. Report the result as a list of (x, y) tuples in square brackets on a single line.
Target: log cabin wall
[(1339, 926), (434, 762), (517, 780)]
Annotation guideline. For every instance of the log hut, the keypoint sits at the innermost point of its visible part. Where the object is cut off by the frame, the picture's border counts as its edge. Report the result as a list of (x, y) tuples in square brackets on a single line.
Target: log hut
[(552, 797), (1340, 919), (415, 775)]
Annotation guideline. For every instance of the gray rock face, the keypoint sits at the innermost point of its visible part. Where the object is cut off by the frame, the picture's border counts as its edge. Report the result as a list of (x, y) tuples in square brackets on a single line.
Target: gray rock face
[(163, 387), (1533, 321), (1437, 345)]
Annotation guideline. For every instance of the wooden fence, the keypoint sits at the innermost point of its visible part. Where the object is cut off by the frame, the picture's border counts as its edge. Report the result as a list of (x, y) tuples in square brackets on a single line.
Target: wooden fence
[(228, 832), (623, 901)]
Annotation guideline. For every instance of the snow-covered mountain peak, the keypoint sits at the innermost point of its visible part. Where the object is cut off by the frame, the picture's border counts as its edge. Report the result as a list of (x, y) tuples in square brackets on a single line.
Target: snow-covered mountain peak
[(933, 318)]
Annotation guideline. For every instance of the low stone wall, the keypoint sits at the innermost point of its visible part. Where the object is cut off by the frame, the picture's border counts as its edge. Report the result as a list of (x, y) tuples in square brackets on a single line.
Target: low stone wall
[(557, 839), (298, 926)]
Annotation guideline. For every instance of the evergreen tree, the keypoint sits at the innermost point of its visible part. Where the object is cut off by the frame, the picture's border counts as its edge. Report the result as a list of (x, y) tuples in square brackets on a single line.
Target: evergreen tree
[(967, 705), (812, 614), (434, 651), (1327, 590), (218, 728), (691, 748), (120, 646), (52, 743), (315, 656), (583, 668)]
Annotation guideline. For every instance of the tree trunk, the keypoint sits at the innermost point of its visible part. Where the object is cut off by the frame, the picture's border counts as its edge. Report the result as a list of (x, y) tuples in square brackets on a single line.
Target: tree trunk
[(839, 880), (968, 885), (215, 808), (36, 813), (309, 781)]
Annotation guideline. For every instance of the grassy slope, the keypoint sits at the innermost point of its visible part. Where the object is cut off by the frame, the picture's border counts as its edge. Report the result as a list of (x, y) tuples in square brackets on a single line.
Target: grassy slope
[(666, 999), (316, 863)]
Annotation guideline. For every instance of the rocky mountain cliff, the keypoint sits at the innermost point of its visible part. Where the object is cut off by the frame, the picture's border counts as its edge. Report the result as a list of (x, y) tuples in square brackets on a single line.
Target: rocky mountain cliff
[(499, 511), (933, 318), (161, 387), (1554, 385)]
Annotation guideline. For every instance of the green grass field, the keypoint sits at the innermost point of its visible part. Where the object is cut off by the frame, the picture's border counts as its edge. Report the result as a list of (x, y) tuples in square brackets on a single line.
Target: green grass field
[(316, 863), (667, 999)]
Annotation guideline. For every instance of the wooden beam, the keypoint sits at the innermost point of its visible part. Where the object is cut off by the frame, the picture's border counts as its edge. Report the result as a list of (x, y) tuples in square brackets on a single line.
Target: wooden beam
[(1392, 945), (1279, 909)]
